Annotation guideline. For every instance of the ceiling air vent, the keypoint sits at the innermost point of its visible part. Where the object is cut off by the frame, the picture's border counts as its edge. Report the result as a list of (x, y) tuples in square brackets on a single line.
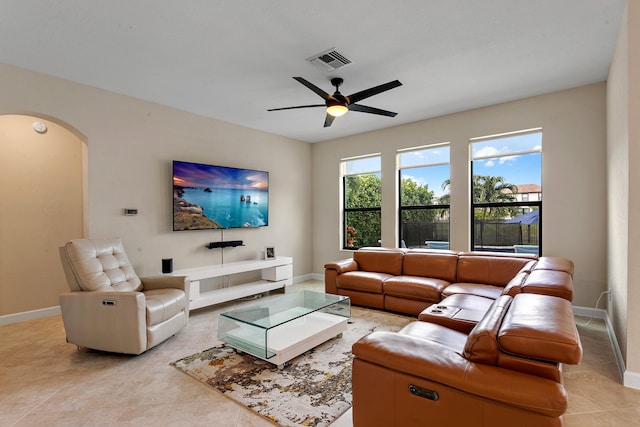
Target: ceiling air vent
[(329, 60)]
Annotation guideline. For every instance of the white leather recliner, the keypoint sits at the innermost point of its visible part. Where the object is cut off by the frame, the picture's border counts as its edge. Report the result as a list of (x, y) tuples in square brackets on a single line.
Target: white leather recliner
[(109, 307)]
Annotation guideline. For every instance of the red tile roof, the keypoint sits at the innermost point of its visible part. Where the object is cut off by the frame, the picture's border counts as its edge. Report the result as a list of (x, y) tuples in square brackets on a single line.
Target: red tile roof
[(529, 188)]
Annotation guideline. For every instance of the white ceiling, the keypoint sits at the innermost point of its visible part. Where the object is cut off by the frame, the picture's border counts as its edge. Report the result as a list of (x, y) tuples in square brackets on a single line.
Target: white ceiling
[(234, 59)]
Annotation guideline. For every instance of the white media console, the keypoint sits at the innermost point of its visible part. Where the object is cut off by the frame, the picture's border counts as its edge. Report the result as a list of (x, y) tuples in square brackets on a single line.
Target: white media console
[(276, 273)]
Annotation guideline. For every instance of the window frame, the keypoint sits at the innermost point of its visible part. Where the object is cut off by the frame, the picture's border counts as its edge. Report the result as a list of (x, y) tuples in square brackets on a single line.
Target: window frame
[(517, 204), (345, 210), (432, 207)]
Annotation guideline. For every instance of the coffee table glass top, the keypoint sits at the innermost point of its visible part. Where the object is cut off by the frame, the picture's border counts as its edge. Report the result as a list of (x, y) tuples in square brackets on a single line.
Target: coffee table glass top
[(276, 311), (274, 329)]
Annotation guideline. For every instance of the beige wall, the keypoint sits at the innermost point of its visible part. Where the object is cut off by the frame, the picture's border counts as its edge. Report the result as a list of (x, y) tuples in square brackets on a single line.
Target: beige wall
[(618, 187), (633, 319), (623, 155), (41, 175), (574, 178), (130, 146)]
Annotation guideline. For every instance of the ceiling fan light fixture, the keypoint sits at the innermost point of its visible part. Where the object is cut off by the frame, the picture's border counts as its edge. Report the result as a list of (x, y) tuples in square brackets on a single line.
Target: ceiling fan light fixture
[(337, 110)]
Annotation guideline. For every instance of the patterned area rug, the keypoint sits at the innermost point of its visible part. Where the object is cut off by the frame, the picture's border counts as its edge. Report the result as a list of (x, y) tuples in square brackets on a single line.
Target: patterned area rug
[(312, 390)]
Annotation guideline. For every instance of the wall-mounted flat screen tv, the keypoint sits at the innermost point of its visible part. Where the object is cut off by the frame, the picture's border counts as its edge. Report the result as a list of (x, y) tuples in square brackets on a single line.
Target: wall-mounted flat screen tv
[(207, 197)]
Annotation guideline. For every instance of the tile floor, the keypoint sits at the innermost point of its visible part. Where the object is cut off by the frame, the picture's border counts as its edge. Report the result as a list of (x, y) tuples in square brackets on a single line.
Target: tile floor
[(45, 381)]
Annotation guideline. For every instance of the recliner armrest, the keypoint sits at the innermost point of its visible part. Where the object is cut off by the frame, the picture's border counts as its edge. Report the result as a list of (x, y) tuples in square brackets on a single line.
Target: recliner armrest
[(109, 321), (434, 362), (163, 282)]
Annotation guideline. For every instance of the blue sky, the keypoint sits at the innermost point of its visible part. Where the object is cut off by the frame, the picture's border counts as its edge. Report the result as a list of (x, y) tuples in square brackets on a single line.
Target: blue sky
[(517, 158)]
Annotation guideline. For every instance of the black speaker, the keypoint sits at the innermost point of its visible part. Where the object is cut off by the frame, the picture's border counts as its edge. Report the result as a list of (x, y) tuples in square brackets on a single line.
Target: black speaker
[(167, 265)]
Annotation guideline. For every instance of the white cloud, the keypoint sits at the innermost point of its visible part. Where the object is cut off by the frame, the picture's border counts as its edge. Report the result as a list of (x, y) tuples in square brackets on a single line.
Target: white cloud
[(487, 151), (505, 159), (419, 181)]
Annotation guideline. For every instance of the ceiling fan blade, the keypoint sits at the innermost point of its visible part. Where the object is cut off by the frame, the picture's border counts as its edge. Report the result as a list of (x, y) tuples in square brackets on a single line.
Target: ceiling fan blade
[(328, 120), (371, 110), (324, 95), (299, 106), (359, 96)]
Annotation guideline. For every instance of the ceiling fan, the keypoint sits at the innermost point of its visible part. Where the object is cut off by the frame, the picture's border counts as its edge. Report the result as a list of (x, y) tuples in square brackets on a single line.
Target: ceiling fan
[(338, 104)]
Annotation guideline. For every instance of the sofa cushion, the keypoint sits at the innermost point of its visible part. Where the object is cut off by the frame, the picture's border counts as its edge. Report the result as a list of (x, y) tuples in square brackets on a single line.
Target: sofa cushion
[(362, 281), (436, 334), (468, 302), (441, 265), (389, 261), (541, 327), (418, 288), (491, 270), (482, 344), (482, 290)]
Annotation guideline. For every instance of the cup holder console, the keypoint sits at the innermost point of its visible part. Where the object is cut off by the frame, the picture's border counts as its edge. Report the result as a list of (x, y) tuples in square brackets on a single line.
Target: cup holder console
[(459, 319), (441, 310)]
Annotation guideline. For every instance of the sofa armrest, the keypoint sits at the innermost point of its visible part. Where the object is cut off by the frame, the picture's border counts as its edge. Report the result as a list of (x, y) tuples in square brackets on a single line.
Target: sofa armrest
[(541, 327), (109, 321), (333, 269), (549, 282), (437, 363), (342, 266)]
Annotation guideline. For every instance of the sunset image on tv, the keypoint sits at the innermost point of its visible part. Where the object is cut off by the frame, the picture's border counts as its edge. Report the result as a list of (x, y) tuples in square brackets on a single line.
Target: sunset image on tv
[(213, 197)]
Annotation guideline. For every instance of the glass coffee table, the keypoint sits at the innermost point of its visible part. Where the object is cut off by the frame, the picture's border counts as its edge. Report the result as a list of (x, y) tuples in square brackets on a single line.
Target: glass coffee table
[(283, 327)]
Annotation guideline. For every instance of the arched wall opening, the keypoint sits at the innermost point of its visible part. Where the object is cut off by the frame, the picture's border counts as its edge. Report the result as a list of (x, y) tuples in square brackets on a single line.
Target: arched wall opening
[(44, 180)]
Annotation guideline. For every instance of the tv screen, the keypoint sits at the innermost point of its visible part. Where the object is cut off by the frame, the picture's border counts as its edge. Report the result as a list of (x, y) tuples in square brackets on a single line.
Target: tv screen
[(209, 197)]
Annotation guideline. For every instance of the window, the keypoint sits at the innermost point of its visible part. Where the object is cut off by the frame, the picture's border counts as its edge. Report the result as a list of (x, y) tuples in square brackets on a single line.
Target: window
[(361, 181), (424, 197), (505, 170)]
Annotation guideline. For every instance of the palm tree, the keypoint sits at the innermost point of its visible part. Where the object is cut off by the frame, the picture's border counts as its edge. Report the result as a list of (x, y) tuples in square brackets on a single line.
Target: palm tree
[(487, 189), (493, 189), (445, 199)]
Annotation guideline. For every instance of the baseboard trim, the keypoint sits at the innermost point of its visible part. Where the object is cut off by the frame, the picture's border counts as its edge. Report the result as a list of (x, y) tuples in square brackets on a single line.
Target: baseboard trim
[(628, 378), (616, 351), (596, 313), (29, 315), (303, 278), (632, 380)]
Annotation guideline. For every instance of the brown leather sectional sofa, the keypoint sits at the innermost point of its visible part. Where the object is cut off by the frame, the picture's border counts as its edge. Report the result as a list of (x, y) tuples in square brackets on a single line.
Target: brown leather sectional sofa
[(487, 349), (409, 280)]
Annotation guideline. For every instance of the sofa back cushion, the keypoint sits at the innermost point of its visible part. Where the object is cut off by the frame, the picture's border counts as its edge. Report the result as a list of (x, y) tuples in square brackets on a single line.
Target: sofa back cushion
[(491, 270), (380, 261), (482, 343), (541, 327), (441, 266)]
